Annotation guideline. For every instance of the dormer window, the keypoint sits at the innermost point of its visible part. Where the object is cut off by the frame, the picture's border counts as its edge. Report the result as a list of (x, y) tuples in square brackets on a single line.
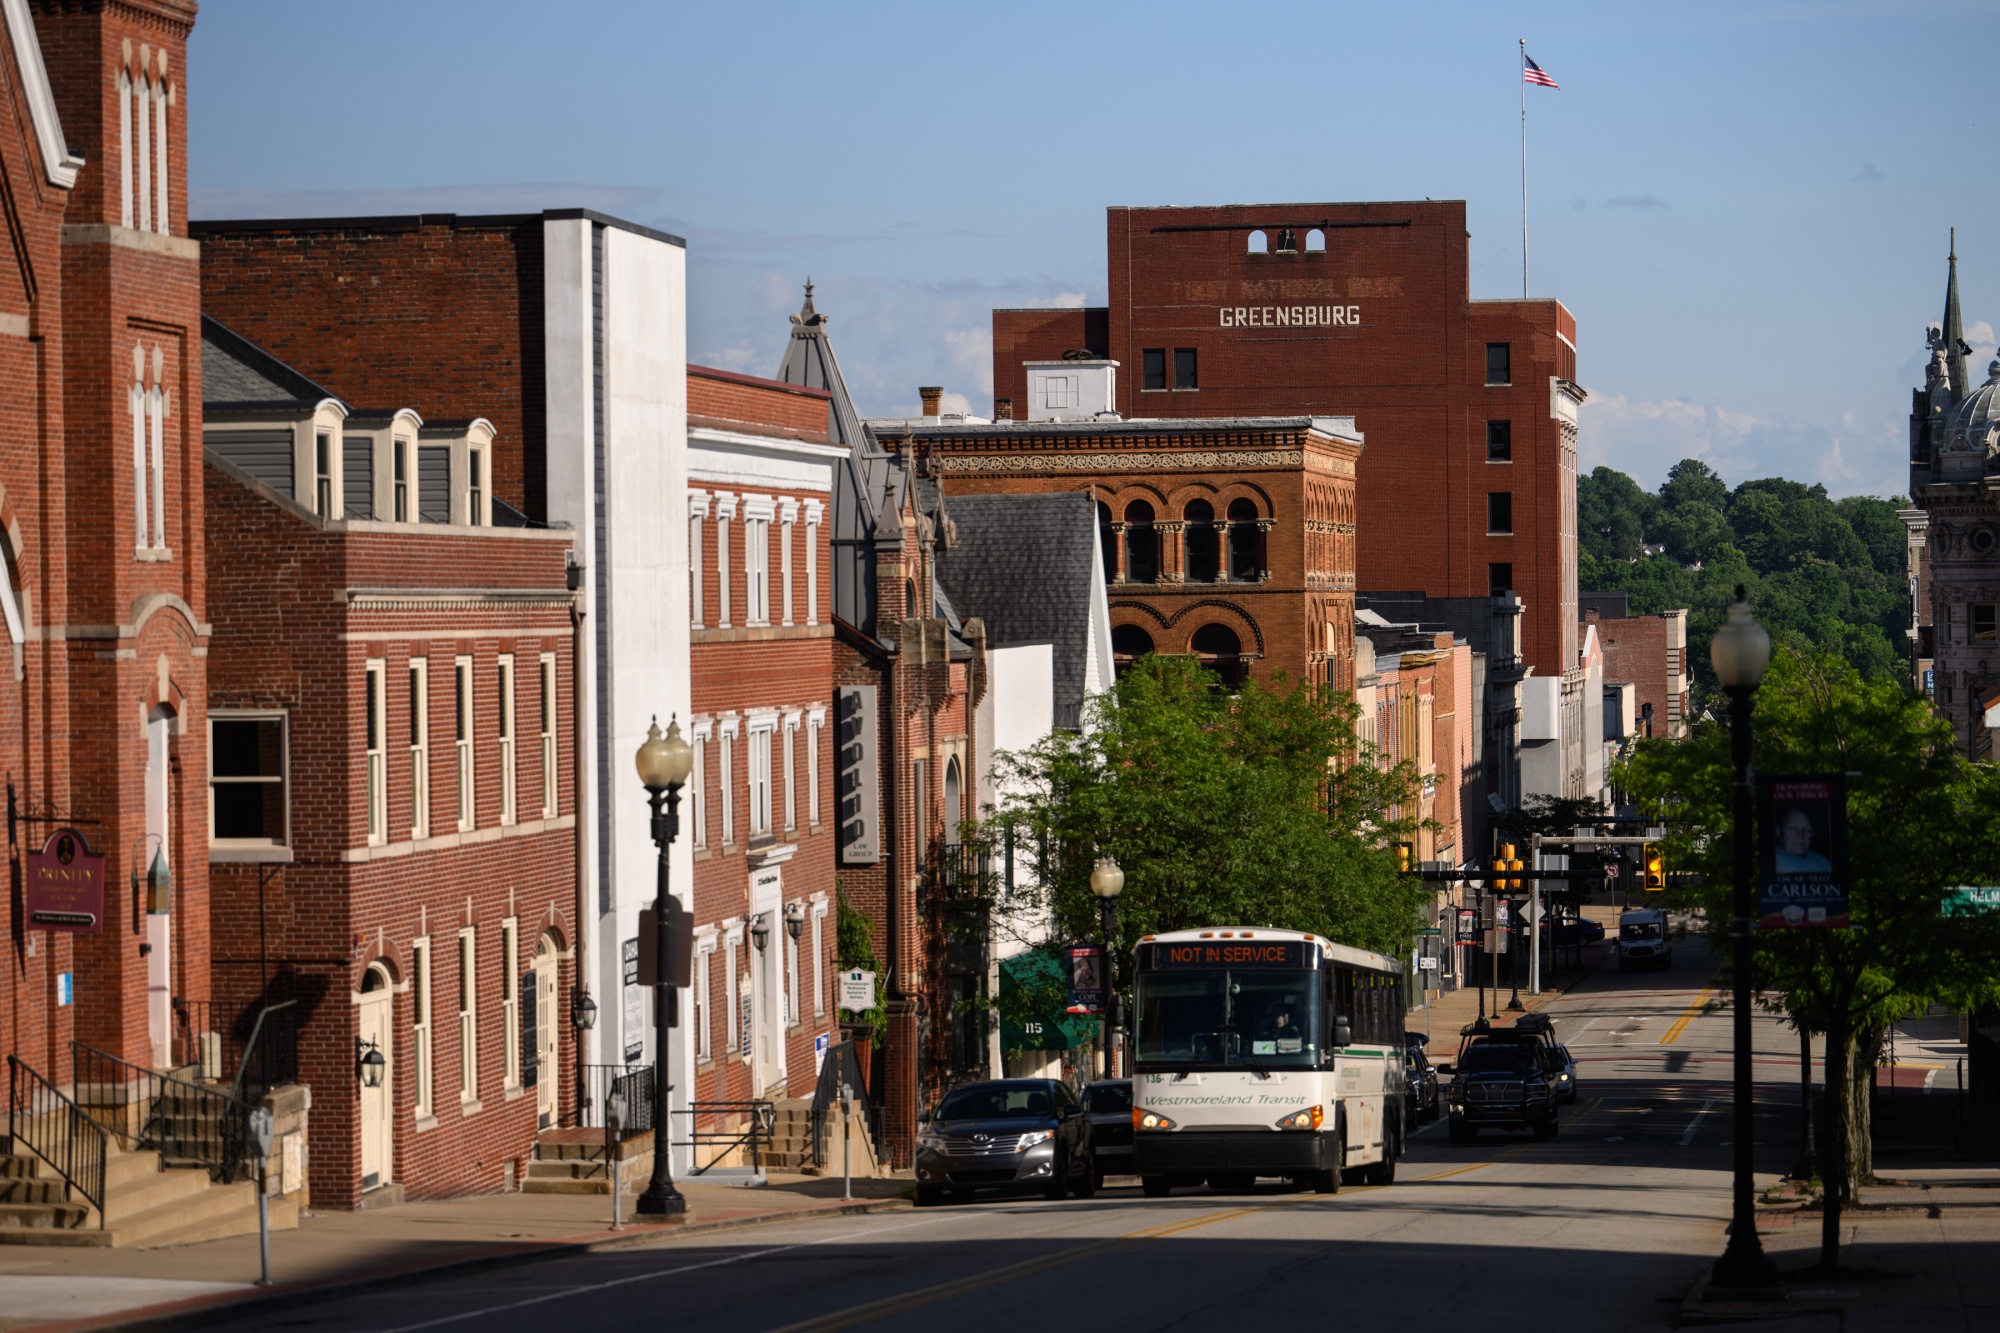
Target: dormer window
[(476, 488), (400, 450), (323, 475)]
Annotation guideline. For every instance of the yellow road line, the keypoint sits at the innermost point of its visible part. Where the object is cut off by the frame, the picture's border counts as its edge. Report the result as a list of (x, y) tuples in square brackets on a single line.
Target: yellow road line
[(1673, 1034)]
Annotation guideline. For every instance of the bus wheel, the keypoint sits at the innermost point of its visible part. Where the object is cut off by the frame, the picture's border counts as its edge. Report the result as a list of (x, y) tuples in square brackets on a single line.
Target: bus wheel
[(1324, 1182), (1384, 1171), (1156, 1187)]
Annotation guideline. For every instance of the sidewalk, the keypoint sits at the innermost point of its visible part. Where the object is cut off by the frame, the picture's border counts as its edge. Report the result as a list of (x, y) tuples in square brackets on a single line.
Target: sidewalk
[(48, 1287)]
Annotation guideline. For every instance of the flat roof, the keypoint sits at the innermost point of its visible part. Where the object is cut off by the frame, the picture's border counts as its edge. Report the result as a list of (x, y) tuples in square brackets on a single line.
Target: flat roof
[(415, 221)]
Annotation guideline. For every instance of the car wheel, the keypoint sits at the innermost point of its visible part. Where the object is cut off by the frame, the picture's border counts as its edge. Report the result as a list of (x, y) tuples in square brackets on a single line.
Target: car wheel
[(1324, 1182), (929, 1196), (1087, 1183), (1058, 1181), (1156, 1187)]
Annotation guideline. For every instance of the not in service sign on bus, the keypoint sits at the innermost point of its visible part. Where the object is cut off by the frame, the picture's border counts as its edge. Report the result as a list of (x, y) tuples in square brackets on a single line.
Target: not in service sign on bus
[(1802, 852)]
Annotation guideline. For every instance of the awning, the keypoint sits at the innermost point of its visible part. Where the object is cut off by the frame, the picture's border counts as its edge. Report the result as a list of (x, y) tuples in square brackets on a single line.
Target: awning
[(1034, 989)]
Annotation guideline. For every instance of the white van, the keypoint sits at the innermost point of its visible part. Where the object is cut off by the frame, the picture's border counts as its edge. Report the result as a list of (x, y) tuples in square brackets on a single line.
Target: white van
[(1643, 940)]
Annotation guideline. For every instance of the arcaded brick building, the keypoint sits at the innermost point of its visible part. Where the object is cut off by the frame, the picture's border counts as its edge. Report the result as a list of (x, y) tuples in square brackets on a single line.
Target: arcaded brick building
[(392, 780), (759, 809), (101, 522), (1469, 407)]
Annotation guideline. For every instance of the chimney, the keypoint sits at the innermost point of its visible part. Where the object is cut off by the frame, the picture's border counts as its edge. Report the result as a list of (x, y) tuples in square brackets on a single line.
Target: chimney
[(932, 394), (1003, 409)]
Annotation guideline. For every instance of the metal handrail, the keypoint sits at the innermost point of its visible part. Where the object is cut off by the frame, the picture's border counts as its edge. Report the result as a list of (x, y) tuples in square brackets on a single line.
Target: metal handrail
[(285, 1055), (634, 1082), (184, 1122), (53, 1127), (759, 1132), (841, 1057)]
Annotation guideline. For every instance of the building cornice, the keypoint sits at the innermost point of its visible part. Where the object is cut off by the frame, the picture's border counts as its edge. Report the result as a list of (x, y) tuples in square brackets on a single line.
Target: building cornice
[(453, 599)]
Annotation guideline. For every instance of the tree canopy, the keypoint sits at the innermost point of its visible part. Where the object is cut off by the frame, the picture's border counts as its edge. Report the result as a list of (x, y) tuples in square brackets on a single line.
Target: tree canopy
[(1825, 575)]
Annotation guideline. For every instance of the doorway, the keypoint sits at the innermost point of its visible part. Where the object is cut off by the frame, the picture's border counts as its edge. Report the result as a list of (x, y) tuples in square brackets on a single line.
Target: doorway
[(378, 1123), (547, 1084), (159, 927)]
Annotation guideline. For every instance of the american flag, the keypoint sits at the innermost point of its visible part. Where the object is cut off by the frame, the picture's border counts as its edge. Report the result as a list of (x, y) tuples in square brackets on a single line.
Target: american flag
[(1532, 73)]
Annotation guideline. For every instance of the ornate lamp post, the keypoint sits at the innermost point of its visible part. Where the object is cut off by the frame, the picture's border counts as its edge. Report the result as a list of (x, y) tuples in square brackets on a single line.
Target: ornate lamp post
[(1107, 881), (664, 763), (1740, 651)]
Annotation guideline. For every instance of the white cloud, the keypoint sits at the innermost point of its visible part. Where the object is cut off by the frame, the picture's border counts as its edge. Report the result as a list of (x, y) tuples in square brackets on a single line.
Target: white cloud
[(1855, 453), (956, 402)]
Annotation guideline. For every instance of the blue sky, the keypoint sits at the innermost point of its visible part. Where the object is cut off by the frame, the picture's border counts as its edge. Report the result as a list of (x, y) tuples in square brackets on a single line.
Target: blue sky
[(1745, 204)]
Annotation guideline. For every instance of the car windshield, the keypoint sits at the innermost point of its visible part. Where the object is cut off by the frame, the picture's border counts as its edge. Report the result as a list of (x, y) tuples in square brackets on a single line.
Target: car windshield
[(1230, 1018), (1498, 1058), (1110, 1097), (998, 1101), (1639, 930)]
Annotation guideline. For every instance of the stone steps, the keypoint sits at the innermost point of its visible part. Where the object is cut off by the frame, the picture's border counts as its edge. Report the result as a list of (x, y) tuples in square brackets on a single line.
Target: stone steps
[(147, 1202)]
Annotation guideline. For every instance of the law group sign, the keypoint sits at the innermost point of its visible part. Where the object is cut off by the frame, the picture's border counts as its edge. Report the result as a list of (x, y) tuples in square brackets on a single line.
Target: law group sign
[(1802, 852)]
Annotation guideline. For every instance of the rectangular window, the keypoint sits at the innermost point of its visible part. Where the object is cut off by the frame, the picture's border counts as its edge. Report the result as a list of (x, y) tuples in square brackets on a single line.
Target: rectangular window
[(812, 567), (468, 1014), (729, 997), (1499, 511), (1499, 363), (1500, 577), (728, 777), (510, 1001), (722, 569), (791, 776), (1153, 368), (1982, 622), (433, 484), (400, 459), (694, 566), (757, 571), (420, 748), (475, 496), (920, 812), (462, 718), (548, 735), (704, 1047), (698, 791), (791, 981), (420, 1010), (819, 962), (812, 770), (323, 475), (785, 565), (1184, 369), (246, 779), (760, 782), (1499, 441), (1059, 392), (506, 679), (376, 727)]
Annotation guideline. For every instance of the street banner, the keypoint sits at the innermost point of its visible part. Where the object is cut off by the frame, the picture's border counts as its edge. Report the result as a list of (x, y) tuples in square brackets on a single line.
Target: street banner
[(1468, 925), (1088, 991), (65, 884), (1802, 852)]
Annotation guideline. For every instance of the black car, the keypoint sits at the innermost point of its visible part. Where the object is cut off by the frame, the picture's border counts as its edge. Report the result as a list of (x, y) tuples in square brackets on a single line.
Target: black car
[(1108, 1105), (1426, 1098), (1505, 1078), (1007, 1132)]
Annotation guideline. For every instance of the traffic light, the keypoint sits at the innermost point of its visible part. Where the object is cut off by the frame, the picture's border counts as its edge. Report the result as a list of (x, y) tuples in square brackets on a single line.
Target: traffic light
[(1406, 857), (1654, 867), (1507, 861), (1516, 866)]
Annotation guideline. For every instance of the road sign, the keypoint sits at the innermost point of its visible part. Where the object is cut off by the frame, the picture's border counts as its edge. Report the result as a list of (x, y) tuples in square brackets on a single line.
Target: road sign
[(1611, 870), (1970, 900), (1427, 963)]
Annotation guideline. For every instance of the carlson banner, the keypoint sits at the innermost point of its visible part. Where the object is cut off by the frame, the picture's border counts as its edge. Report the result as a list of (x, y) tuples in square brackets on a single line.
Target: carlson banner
[(65, 888), (1089, 990), (1802, 852)]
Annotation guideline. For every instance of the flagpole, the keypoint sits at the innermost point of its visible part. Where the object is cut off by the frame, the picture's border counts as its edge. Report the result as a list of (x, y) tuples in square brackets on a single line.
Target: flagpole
[(1524, 168)]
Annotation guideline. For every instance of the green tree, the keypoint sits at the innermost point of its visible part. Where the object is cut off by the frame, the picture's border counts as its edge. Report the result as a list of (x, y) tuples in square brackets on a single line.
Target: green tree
[(1257, 809), (1919, 817)]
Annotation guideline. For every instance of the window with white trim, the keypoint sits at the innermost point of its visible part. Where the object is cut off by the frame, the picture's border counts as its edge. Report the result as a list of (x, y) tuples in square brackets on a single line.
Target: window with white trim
[(420, 1011), (725, 510), (148, 403), (246, 779), (475, 492), (756, 569), (727, 784), (791, 773), (510, 1002), (323, 474), (760, 779), (462, 717), (697, 510), (548, 675), (819, 959), (399, 451), (468, 1014), (704, 1041), (729, 1028), (792, 1005), (813, 512), (698, 786), (814, 722), (788, 519), (374, 704), (420, 748), (505, 676), (126, 201)]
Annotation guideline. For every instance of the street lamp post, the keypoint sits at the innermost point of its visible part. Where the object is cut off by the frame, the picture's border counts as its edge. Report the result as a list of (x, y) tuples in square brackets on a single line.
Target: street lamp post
[(1739, 652), (1107, 881), (664, 763)]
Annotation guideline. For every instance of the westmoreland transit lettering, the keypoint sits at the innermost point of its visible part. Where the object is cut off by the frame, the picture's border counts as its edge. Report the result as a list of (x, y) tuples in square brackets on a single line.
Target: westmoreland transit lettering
[(1289, 316)]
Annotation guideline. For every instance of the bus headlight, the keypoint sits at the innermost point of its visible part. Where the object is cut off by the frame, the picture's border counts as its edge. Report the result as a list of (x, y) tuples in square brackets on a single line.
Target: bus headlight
[(1310, 1118), (1143, 1119)]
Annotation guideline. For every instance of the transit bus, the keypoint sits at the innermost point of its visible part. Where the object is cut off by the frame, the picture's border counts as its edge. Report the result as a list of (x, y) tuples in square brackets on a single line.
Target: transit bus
[(1265, 1053)]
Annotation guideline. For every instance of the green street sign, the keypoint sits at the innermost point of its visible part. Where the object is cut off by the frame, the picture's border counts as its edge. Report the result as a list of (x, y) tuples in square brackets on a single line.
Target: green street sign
[(1968, 900), (1427, 931)]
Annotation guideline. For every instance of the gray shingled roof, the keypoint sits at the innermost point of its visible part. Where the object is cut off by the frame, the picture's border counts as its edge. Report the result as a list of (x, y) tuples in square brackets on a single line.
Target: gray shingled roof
[(1023, 566), (809, 361), (237, 372)]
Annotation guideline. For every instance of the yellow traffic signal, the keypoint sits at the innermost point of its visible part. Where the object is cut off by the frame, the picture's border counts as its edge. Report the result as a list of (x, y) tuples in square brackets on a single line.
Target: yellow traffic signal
[(1516, 866), (1406, 855), (1655, 862)]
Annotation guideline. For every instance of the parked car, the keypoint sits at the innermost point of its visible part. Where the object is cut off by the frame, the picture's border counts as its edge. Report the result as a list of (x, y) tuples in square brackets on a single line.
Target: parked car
[(1005, 1133), (1583, 930), (1565, 1073), (1108, 1104), (1425, 1096), (1643, 941), (1504, 1078)]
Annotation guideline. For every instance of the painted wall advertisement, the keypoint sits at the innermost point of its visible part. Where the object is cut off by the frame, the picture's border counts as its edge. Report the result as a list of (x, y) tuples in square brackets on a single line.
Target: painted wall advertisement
[(1802, 852), (65, 884)]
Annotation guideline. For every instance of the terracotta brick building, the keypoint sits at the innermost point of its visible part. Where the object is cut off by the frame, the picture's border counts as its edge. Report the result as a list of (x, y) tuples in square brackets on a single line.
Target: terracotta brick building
[(1650, 653), (392, 778)]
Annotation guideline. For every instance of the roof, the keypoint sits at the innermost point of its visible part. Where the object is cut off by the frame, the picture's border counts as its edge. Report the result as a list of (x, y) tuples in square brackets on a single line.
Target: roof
[(1023, 564), (235, 372), (418, 221), (924, 428), (809, 361)]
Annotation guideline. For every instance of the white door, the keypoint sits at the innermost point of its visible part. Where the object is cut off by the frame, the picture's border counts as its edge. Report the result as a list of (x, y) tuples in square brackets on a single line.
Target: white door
[(770, 1023), (547, 1083), (378, 1122), (159, 929)]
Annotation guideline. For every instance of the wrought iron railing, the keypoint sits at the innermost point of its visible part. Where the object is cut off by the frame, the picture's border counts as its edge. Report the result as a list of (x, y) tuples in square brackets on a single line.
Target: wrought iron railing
[(841, 1060), (186, 1123), (253, 1049), (270, 1058), (633, 1082), (759, 1126), (47, 1122)]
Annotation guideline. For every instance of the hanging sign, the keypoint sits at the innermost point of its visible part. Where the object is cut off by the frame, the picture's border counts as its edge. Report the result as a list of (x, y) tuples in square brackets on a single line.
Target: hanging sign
[(1970, 900), (857, 990), (65, 884), (1088, 993), (1802, 852)]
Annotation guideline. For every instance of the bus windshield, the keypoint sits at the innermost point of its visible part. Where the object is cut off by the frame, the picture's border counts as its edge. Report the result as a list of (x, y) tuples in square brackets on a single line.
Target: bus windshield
[(1246, 1019)]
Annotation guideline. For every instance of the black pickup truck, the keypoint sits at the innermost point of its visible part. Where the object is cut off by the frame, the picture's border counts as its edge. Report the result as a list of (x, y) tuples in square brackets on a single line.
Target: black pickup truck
[(1504, 1078)]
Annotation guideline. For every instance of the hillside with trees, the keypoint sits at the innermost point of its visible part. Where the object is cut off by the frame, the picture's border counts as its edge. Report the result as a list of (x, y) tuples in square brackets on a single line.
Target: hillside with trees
[(1825, 575)]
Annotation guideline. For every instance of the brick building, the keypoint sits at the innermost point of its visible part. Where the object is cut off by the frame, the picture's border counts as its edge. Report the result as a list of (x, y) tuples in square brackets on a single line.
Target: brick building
[(1413, 685), (1649, 652), (566, 332), (759, 811), (101, 524)]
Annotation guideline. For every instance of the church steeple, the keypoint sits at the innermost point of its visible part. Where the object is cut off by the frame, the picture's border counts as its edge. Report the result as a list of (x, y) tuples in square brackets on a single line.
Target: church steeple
[(1954, 328)]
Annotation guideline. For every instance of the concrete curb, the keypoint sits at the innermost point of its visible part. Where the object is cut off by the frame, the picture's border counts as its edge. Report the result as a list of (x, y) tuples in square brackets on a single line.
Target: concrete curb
[(200, 1311)]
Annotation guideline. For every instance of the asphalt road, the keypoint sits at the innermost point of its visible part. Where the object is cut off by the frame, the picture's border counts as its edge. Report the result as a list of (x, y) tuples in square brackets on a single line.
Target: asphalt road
[(1607, 1227)]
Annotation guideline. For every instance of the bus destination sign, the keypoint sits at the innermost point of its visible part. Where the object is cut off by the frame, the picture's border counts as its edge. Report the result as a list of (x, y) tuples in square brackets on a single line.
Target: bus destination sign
[(1231, 953)]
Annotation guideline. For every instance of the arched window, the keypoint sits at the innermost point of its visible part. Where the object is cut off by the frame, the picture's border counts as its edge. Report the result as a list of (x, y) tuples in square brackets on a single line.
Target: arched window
[(1107, 540), (1218, 649), (1129, 643), (1246, 541), (1288, 241), (1259, 245), (1203, 542), (954, 801), (910, 599), (1315, 242), (1142, 544)]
